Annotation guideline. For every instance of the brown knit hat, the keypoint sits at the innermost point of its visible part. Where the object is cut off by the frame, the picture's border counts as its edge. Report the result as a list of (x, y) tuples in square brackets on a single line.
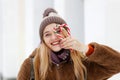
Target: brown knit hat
[(49, 16)]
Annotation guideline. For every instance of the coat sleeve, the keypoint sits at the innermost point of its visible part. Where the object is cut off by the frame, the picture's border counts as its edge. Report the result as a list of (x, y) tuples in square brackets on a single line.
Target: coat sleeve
[(24, 73), (25, 70), (103, 63)]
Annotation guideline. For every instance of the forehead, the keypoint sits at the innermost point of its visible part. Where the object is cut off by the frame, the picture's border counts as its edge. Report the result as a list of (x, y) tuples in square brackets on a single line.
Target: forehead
[(50, 27)]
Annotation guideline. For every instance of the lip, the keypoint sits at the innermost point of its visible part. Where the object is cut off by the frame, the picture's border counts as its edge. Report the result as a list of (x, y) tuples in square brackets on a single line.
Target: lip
[(54, 43)]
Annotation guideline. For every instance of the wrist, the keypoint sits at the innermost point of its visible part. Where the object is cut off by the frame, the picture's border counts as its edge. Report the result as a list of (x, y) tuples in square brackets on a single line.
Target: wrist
[(83, 49)]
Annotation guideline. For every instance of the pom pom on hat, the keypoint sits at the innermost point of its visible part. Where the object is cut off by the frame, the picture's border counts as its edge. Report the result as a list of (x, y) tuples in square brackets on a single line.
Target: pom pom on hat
[(48, 11), (49, 16)]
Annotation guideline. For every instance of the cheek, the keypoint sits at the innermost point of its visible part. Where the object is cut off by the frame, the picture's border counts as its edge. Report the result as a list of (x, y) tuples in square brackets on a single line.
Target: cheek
[(47, 41)]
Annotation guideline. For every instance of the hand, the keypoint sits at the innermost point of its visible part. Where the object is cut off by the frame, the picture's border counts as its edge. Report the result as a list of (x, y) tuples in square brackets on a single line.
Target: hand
[(71, 43)]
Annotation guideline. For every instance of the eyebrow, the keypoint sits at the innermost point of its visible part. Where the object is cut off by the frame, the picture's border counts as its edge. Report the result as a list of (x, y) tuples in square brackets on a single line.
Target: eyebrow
[(46, 32)]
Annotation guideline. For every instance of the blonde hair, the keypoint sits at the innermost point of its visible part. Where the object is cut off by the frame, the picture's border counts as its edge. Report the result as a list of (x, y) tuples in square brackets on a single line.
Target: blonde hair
[(44, 59), (42, 62)]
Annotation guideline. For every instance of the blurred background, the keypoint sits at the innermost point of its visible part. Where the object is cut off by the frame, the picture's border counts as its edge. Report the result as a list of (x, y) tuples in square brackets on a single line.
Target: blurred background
[(89, 20)]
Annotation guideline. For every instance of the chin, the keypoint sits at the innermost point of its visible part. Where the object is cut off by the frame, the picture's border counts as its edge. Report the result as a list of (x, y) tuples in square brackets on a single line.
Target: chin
[(56, 50)]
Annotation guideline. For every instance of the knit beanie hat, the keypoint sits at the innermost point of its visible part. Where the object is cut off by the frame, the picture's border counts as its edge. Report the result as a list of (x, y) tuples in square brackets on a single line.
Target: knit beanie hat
[(49, 16)]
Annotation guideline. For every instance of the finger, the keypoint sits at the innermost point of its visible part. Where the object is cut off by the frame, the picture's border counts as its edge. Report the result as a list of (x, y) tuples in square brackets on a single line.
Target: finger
[(59, 36), (70, 44), (65, 33), (66, 40), (67, 47)]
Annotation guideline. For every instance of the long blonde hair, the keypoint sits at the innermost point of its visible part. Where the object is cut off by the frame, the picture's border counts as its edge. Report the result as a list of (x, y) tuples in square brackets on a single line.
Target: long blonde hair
[(45, 61), (42, 62)]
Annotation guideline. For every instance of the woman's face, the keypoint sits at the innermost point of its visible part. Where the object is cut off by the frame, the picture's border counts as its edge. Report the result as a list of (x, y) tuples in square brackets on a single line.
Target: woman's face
[(51, 38)]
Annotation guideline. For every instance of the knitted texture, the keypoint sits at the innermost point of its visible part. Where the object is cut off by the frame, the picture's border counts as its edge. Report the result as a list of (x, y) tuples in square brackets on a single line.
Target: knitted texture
[(49, 16)]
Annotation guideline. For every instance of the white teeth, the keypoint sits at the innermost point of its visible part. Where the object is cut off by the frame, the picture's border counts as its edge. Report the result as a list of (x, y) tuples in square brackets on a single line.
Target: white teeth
[(54, 43)]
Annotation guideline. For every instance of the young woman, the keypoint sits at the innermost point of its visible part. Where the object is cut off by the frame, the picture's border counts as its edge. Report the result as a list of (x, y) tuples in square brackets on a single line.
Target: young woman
[(61, 57)]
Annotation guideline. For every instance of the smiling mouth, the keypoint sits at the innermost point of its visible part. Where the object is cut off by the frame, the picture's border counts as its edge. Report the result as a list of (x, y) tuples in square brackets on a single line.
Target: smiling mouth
[(55, 43)]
